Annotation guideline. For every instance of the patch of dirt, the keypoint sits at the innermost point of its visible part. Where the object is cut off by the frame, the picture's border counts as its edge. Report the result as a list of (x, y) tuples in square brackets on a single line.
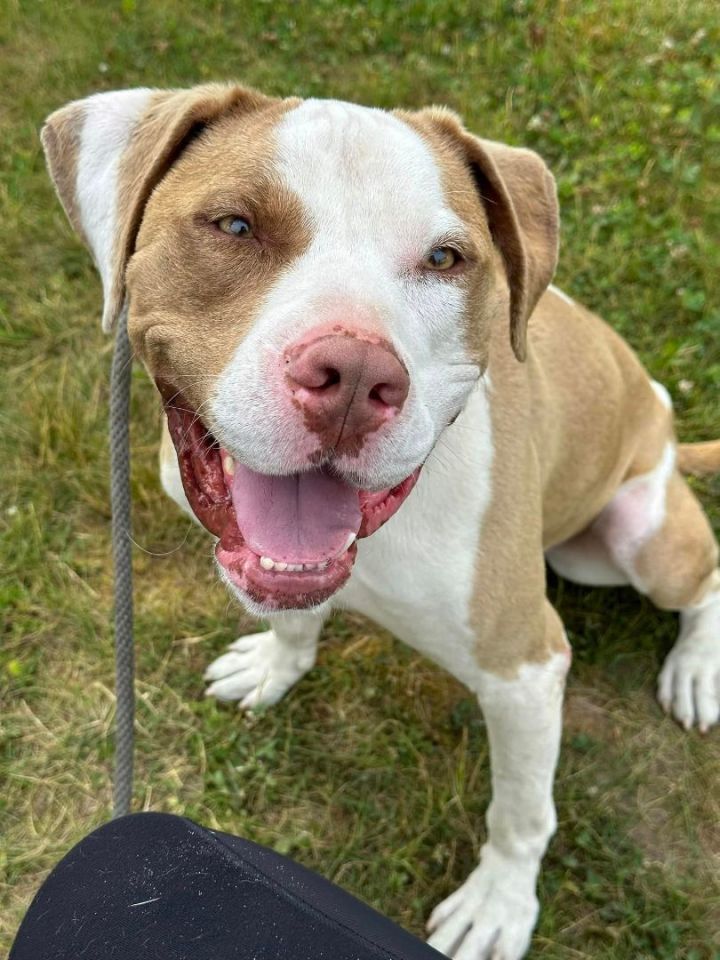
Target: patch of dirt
[(585, 712)]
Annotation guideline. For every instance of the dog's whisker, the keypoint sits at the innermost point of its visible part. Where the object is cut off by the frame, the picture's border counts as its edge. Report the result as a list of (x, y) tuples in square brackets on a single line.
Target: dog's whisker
[(164, 553)]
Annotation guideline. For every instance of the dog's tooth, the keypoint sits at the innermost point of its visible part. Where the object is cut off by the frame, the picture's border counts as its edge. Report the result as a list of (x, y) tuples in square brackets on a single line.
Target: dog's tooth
[(267, 563), (229, 465), (349, 542)]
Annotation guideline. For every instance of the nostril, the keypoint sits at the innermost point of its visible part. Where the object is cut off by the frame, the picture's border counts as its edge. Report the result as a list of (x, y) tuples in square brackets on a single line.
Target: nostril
[(332, 377), (322, 379), (378, 394), (388, 395), (344, 376), (314, 377)]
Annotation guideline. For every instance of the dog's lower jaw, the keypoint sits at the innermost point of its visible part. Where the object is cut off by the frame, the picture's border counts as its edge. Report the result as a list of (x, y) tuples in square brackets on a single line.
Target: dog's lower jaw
[(261, 605), (284, 542), (266, 586)]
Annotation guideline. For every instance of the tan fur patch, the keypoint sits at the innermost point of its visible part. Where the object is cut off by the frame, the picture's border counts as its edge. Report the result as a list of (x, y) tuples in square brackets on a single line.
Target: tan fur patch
[(509, 593), (699, 458), (569, 426), (61, 141), (519, 201), (194, 291), (596, 421), (159, 138), (678, 564)]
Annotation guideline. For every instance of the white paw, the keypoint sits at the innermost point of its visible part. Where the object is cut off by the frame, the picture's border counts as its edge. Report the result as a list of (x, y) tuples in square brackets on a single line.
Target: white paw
[(689, 682), (492, 915), (257, 670)]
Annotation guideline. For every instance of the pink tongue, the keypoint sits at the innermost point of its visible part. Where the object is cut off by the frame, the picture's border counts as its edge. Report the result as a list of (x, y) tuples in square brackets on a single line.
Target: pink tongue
[(306, 517)]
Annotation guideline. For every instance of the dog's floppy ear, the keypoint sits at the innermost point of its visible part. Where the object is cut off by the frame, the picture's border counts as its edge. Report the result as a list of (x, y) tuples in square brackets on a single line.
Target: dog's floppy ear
[(108, 152), (520, 199)]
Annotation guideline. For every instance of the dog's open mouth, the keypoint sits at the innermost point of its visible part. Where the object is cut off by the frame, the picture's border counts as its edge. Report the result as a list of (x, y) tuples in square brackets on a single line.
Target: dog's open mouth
[(287, 541)]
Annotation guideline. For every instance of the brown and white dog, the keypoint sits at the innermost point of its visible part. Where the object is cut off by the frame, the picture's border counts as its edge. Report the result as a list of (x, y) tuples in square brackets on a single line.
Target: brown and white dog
[(333, 303)]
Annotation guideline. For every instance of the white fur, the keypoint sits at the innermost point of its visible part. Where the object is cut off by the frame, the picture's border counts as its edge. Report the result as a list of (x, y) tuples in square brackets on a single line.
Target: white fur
[(108, 122), (561, 293), (173, 487), (372, 194), (586, 559), (493, 913), (689, 682), (416, 574), (260, 668), (635, 514), (604, 554), (662, 393)]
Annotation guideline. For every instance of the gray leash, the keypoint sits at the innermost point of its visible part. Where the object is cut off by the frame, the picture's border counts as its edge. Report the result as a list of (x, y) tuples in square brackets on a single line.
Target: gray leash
[(120, 377)]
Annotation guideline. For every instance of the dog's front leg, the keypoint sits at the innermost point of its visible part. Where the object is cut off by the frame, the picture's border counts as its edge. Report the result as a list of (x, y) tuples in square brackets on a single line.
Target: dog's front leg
[(492, 915), (259, 668)]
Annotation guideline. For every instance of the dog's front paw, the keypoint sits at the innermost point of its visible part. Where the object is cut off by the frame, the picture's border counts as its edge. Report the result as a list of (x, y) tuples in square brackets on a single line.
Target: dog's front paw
[(258, 670), (492, 915)]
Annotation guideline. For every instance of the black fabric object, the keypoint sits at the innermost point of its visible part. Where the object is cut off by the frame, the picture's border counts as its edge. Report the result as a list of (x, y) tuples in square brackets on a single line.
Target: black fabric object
[(153, 886)]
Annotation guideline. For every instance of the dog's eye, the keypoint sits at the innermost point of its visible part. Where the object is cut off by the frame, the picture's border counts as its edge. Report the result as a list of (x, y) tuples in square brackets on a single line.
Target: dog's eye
[(441, 258), (235, 226)]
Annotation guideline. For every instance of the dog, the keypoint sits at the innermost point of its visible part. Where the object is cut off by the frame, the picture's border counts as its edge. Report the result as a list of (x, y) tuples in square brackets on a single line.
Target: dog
[(376, 400)]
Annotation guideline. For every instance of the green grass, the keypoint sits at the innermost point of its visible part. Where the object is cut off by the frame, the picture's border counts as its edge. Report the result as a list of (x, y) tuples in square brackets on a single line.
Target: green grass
[(374, 770)]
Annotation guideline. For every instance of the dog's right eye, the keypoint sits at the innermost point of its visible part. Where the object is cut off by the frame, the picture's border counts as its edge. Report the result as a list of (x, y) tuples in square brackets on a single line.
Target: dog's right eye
[(235, 226)]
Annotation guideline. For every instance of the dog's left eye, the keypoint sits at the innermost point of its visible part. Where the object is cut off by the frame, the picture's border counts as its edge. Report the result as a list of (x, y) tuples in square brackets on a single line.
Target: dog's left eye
[(441, 258), (235, 226)]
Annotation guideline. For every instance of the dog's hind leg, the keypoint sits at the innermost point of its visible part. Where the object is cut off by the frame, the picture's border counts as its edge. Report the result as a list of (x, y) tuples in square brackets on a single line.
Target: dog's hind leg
[(586, 559), (656, 533), (678, 569), (260, 668)]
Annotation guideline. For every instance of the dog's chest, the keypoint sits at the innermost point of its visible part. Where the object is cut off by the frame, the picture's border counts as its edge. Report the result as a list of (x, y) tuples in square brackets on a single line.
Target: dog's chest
[(416, 575)]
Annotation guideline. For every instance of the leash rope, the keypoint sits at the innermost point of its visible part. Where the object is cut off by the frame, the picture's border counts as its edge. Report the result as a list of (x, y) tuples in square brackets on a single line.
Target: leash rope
[(120, 500)]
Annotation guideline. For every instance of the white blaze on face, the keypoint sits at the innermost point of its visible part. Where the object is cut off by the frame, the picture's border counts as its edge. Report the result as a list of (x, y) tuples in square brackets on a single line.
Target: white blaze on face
[(372, 195), (369, 184)]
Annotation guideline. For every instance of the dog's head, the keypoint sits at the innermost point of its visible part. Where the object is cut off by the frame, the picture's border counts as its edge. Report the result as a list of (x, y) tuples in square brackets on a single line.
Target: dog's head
[(313, 286)]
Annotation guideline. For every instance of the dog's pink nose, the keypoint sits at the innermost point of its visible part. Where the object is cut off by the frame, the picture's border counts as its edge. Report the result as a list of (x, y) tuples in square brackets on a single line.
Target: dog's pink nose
[(346, 387)]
